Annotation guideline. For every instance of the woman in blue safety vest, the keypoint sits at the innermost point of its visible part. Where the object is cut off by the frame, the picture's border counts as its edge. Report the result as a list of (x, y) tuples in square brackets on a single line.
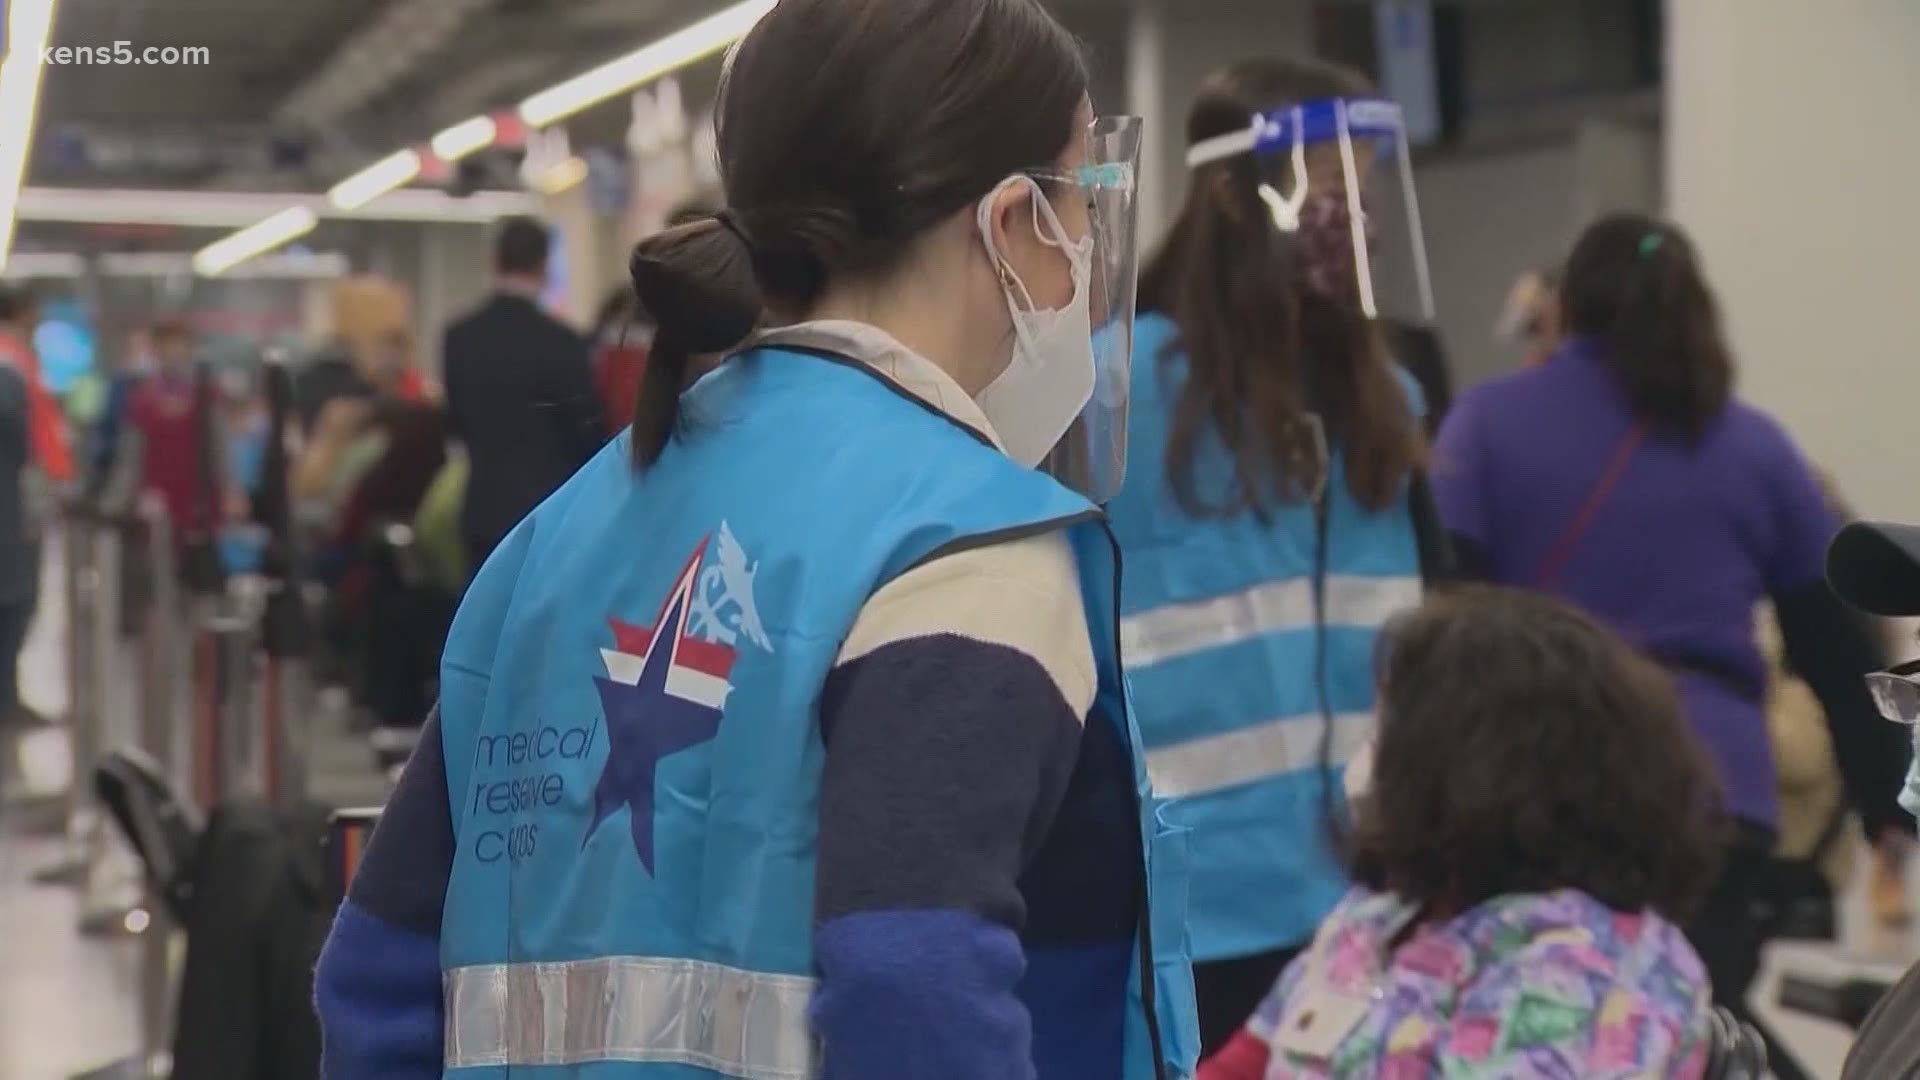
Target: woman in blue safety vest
[(1273, 518), (788, 738)]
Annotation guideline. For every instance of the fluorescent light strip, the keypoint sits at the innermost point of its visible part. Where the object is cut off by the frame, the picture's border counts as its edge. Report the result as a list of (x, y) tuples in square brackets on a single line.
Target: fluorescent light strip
[(28, 23), (233, 209), (390, 172), (676, 50), (464, 138), (223, 255)]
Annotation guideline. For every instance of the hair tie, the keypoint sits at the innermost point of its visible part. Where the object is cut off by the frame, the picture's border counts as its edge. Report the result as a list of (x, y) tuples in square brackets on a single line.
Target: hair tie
[(731, 223), (1650, 243)]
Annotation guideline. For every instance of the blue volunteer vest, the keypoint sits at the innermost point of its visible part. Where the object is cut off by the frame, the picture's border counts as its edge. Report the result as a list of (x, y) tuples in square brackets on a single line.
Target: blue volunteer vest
[(1223, 652), (635, 899)]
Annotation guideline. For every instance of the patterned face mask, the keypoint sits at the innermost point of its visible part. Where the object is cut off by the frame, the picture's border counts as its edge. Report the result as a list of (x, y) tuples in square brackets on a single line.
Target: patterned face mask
[(1326, 244)]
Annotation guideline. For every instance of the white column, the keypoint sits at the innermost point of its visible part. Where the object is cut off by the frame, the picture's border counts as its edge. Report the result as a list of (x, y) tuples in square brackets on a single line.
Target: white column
[(1793, 146), (1147, 99)]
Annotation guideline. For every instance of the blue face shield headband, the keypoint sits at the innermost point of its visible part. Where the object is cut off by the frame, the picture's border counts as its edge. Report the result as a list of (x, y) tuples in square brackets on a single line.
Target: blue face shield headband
[(1355, 125)]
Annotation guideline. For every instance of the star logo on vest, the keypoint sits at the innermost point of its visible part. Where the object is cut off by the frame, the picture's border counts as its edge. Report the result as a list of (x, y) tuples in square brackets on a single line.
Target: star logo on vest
[(666, 686)]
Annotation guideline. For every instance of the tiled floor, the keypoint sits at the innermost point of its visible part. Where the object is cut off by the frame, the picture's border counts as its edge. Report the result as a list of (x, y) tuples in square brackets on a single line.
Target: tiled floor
[(66, 1003), (69, 1003)]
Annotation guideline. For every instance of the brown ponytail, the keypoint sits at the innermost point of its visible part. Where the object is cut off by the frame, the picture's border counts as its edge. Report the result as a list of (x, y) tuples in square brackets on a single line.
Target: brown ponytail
[(698, 281), (1633, 284)]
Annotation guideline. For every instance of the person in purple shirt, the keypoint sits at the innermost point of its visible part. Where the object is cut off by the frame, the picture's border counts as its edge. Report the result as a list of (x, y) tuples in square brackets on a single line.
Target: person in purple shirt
[(1624, 476)]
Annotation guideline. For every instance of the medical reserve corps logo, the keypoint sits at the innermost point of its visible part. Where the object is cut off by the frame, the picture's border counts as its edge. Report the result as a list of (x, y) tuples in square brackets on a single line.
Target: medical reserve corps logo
[(666, 684)]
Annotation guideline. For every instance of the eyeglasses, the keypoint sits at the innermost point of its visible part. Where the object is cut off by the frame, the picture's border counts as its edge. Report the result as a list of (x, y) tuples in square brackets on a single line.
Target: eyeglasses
[(1896, 691)]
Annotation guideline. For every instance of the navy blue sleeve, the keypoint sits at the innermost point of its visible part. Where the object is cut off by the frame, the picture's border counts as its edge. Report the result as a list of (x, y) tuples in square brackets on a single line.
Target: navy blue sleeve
[(947, 757), (377, 988)]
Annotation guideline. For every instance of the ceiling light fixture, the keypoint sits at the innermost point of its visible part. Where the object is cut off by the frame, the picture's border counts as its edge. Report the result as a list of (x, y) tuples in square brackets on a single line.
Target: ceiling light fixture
[(464, 138), (393, 171), (670, 53), (263, 236), (674, 51), (27, 24)]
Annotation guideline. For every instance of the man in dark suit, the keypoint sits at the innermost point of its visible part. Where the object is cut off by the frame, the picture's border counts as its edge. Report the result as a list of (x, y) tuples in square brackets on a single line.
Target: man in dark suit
[(519, 394)]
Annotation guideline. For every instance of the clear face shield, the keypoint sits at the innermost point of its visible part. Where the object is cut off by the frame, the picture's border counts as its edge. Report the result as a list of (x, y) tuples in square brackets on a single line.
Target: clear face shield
[(1091, 457), (1336, 174)]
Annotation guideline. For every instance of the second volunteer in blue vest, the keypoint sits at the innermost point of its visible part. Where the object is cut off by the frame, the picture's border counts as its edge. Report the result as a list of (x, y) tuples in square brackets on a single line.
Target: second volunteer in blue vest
[(1274, 514), (788, 738)]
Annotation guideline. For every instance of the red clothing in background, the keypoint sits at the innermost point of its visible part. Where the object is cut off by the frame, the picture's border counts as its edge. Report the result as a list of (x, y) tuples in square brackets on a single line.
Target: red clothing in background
[(620, 368), (167, 412), (46, 424)]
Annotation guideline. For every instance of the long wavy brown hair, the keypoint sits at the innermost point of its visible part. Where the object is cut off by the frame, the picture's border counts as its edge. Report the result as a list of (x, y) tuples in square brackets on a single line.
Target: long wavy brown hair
[(1262, 349)]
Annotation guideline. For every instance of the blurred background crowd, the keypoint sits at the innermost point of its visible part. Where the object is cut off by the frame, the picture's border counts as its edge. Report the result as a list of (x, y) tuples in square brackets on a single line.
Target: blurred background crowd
[(363, 384)]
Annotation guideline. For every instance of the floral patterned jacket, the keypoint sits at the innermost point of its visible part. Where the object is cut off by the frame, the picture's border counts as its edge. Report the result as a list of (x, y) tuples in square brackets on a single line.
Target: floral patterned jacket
[(1548, 985)]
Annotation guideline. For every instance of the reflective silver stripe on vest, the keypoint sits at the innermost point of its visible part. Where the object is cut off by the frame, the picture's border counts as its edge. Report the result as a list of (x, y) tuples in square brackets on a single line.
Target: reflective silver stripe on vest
[(1217, 762), (629, 1008), (1175, 630)]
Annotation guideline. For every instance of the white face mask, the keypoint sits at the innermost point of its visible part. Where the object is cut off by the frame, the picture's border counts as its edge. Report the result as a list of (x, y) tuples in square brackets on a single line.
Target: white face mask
[(1050, 378)]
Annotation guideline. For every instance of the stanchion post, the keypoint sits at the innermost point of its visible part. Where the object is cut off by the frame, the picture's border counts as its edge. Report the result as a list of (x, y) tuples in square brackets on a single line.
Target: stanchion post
[(87, 731), (161, 653), (81, 584), (160, 648), (228, 757), (83, 676), (286, 706)]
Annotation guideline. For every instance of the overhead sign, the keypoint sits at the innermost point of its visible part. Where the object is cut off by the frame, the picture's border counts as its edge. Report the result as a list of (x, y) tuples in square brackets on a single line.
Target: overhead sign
[(96, 150), (1403, 36)]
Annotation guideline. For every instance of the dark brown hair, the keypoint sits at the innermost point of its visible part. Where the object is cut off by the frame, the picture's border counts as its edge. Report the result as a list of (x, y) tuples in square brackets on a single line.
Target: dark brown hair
[(1633, 283), (1261, 347), (521, 246), (847, 129), (1524, 748)]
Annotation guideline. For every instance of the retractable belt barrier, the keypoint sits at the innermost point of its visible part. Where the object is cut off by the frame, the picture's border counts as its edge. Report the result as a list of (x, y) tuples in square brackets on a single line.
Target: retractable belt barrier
[(252, 695), (107, 576), (122, 618), (218, 702)]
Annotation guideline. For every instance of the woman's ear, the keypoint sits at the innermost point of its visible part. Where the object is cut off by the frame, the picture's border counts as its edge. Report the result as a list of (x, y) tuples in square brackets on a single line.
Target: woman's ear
[(1009, 215)]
